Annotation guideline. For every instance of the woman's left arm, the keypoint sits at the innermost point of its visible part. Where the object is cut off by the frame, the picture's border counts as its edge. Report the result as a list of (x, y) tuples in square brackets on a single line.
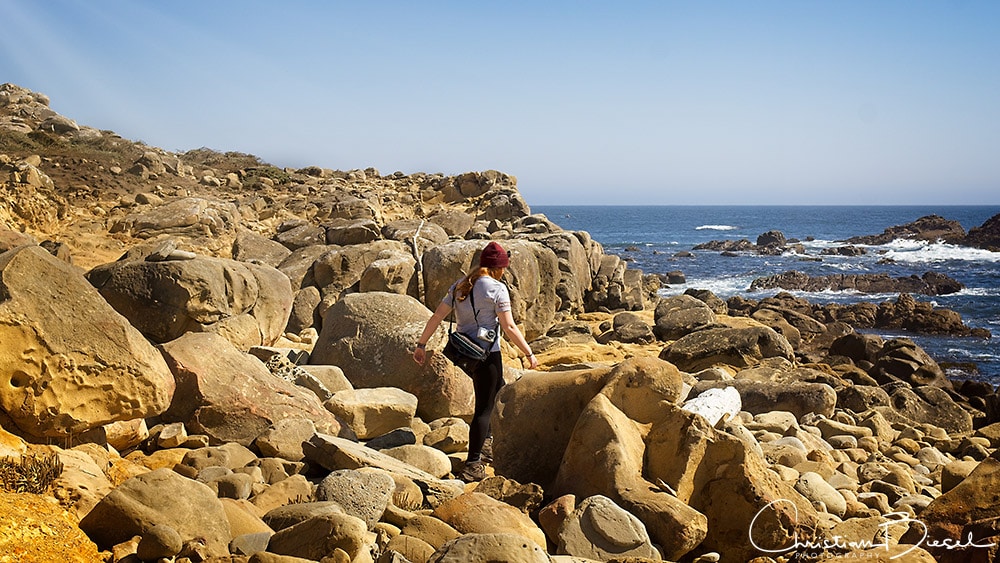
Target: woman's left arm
[(512, 332), (419, 354)]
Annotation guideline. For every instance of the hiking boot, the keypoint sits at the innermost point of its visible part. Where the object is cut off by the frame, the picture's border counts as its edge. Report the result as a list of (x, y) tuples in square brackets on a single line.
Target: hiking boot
[(473, 471), (487, 455)]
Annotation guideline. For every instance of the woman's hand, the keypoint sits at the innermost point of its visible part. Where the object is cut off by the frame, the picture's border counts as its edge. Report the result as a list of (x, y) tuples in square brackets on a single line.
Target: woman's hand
[(420, 355), (532, 362)]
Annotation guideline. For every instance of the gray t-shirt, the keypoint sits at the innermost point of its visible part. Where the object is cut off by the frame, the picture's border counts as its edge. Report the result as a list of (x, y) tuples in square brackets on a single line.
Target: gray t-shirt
[(492, 298)]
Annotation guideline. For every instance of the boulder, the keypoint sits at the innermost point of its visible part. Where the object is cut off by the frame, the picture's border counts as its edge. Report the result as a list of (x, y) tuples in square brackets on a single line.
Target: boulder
[(320, 536), (576, 262), (930, 228), (985, 236), (160, 497), (758, 397), (371, 337), (614, 286), (362, 493), (432, 460), (302, 235), (299, 265), (230, 396), (292, 514), (926, 405), (599, 529), (252, 247), (605, 457), (304, 315), (534, 419), (284, 438), (509, 548), (372, 412), (204, 221), (680, 315), (347, 232), (968, 512), (737, 347), (418, 233), (531, 278), (455, 223), (931, 283), (70, 361), (340, 269), (476, 513), (333, 453), (720, 476), (249, 304), (392, 272), (629, 328), (900, 359)]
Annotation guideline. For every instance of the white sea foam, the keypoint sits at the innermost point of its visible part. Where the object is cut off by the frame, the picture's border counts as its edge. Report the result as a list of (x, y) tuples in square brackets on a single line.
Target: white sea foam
[(716, 228), (722, 287), (905, 250), (844, 265), (979, 292)]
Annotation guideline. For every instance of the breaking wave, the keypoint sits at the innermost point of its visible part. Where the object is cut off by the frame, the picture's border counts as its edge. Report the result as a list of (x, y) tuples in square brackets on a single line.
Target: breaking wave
[(716, 228), (904, 250)]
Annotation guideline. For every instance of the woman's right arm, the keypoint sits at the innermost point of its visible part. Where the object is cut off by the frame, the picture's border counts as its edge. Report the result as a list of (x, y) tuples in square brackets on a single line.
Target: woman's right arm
[(420, 353)]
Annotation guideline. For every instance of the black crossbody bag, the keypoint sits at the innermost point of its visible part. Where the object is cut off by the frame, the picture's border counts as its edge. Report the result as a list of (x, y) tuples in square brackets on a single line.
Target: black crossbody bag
[(462, 349)]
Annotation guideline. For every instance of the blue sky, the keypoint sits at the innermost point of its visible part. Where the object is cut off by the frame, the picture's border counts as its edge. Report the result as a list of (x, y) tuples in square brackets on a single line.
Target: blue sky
[(839, 102)]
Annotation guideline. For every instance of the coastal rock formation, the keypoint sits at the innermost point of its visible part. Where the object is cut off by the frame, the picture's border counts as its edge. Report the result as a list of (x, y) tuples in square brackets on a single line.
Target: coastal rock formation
[(985, 236), (930, 228), (931, 283), (281, 417)]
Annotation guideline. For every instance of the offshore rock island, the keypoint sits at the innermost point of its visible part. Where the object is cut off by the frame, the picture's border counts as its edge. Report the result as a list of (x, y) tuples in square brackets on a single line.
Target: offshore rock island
[(204, 357)]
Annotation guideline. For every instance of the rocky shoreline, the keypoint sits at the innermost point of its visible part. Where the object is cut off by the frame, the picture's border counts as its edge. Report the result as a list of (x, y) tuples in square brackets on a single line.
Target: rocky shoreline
[(208, 359)]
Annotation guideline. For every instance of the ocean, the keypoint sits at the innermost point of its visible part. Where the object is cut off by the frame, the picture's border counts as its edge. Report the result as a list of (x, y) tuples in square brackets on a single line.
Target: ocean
[(650, 237)]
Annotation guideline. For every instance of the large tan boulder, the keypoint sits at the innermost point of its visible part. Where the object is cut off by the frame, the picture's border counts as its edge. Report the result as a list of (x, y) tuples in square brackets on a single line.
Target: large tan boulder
[(371, 337), (510, 548), (737, 347), (718, 475), (205, 222), (534, 420), (605, 457), (342, 267), (160, 497), (247, 303), (532, 278), (231, 396), (576, 267), (680, 315), (70, 361), (374, 411), (476, 513)]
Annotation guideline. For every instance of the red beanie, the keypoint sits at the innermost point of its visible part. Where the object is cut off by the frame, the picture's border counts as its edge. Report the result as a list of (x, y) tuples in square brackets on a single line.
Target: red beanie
[(494, 256)]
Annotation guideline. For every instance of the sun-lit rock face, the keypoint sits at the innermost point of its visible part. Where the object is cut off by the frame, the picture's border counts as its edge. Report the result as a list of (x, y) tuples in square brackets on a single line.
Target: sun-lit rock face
[(70, 362)]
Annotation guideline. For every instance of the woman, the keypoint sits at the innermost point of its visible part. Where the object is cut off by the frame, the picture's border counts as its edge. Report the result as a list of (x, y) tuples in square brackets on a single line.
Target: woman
[(492, 308)]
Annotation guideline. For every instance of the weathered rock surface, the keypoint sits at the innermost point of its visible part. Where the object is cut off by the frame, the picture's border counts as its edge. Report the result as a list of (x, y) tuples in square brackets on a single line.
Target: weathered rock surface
[(930, 228), (249, 304), (160, 497), (70, 372), (371, 337), (931, 283), (738, 347), (230, 396)]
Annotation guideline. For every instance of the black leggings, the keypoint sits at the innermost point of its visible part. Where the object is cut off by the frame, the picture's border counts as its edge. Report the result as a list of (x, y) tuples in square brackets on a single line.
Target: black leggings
[(487, 379)]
